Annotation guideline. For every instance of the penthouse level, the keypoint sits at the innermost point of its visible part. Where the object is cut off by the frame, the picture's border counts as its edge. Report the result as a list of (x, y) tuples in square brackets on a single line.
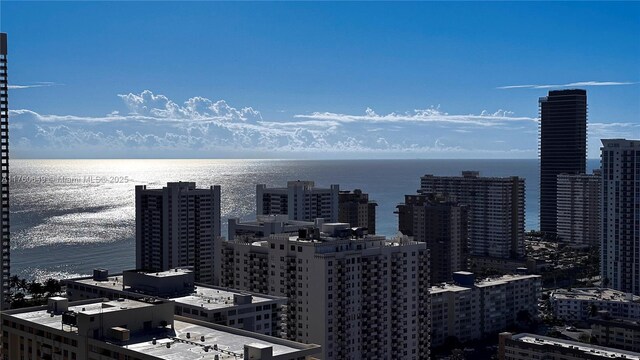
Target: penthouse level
[(133, 330), (238, 309)]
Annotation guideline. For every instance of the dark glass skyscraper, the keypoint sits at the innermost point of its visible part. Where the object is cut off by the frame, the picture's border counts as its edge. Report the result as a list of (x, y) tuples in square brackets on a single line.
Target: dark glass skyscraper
[(563, 146)]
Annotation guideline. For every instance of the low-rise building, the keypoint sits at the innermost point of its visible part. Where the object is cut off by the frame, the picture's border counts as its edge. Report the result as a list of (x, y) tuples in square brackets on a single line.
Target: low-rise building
[(530, 346), (468, 309), (132, 330), (617, 333), (581, 304), (238, 309)]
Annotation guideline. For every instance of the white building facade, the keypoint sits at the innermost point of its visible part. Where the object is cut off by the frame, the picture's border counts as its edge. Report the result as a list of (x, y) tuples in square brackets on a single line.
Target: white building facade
[(579, 209), (300, 200), (358, 297)]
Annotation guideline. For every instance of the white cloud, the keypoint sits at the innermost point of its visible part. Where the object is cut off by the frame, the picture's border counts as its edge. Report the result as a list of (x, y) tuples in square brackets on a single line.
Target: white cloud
[(575, 84), (430, 115), (154, 125), (34, 85)]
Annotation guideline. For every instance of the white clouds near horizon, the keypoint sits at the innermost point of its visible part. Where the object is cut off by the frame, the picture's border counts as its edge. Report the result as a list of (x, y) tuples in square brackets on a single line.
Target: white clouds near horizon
[(155, 125), (574, 84)]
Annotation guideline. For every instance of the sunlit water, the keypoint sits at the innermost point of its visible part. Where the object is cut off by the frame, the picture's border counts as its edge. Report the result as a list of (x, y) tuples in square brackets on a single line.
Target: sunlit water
[(71, 216)]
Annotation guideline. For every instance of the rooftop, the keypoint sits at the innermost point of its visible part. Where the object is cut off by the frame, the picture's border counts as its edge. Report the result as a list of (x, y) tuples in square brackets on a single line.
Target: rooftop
[(595, 294), (211, 298), (188, 340), (577, 346)]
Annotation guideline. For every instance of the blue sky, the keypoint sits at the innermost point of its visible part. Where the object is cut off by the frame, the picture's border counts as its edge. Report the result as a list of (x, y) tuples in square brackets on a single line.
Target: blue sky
[(312, 80)]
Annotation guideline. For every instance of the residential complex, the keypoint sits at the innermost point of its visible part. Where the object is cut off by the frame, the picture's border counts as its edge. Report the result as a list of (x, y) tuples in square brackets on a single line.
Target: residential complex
[(177, 226), (578, 217), (620, 250), (5, 245), (356, 209), (617, 333), (358, 296), (266, 225), (563, 146), (469, 310), (496, 210), (530, 346), (300, 200), (582, 304), (442, 224), (229, 307), (132, 330)]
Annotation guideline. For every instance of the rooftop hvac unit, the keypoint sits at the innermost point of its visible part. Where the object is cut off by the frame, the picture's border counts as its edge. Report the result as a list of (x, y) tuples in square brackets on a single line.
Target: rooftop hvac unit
[(120, 333)]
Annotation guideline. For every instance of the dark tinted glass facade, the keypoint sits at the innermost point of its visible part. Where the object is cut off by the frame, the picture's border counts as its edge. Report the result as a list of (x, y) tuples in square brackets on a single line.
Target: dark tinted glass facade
[(563, 146)]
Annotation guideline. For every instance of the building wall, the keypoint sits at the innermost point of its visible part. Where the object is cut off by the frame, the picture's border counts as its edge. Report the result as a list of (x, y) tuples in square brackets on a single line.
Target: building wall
[(620, 250), (178, 226), (300, 200), (496, 210), (563, 146), (5, 246), (443, 226), (579, 209), (358, 298), (356, 209)]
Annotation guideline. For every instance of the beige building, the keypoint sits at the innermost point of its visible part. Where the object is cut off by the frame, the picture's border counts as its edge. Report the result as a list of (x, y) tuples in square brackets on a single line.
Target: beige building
[(578, 214), (530, 346), (359, 297), (131, 330), (223, 306), (177, 226), (300, 200), (470, 309), (496, 210)]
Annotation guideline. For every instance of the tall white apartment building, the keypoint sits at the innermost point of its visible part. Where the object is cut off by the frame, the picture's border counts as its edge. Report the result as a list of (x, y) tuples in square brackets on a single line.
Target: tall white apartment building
[(177, 226), (5, 245), (578, 213), (300, 200), (496, 210), (132, 330), (620, 250), (470, 309), (359, 297)]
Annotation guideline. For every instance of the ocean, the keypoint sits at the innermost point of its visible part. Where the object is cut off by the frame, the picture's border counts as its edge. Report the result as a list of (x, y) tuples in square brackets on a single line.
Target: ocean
[(71, 216)]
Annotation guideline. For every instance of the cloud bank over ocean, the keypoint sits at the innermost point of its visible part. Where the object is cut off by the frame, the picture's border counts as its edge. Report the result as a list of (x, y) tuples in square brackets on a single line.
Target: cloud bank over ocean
[(152, 125)]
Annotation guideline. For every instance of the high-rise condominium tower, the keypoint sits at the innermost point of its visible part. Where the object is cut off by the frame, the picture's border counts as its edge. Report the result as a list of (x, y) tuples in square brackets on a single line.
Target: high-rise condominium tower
[(357, 210), (359, 297), (443, 225), (563, 147), (177, 226), (4, 172), (620, 250), (579, 209), (300, 200), (496, 210)]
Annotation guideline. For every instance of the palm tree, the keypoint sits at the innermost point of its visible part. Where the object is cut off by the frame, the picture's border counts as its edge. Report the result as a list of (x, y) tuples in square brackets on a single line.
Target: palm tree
[(52, 286), (36, 289)]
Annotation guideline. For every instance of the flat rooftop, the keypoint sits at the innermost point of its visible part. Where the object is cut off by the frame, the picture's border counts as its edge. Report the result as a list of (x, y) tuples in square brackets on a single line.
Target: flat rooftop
[(212, 298), (228, 341), (504, 279), (594, 294), (230, 345), (446, 287), (592, 350), (43, 317), (208, 297)]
